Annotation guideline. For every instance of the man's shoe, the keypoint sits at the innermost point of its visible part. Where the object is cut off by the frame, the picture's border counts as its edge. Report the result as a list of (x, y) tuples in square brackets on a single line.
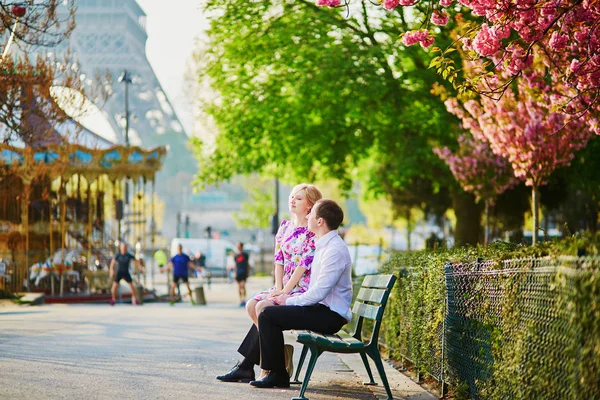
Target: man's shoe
[(237, 374), (273, 379), (288, 353), (112, 302), (192, 302)]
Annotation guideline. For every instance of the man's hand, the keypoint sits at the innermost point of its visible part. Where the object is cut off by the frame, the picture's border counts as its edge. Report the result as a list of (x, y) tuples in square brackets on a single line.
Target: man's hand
[(280, 298)]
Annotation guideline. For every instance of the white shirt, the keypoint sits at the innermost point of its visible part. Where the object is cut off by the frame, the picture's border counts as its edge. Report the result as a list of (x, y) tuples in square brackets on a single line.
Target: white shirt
[(331, 277)]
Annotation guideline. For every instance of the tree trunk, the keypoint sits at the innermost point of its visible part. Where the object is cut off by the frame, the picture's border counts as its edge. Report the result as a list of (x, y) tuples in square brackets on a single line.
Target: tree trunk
[(468, 218), (409, 229), (535, 209), (486, 237)]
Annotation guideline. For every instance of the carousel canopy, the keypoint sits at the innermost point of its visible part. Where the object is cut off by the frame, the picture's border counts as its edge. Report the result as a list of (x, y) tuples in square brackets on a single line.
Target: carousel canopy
[(65, 160)]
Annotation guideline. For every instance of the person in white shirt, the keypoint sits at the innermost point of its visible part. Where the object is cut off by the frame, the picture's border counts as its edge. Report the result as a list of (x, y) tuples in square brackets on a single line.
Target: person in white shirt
[(324, 307)]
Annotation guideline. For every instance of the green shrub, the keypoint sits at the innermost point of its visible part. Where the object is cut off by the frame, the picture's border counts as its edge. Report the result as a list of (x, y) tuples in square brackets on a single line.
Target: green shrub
[(515, 334)]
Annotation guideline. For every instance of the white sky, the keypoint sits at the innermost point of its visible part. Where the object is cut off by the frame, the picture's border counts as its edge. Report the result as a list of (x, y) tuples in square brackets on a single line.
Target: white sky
[(172, 27)]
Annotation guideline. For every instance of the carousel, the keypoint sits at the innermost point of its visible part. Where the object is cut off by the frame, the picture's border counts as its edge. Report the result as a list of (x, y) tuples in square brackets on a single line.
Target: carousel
[(63, 207)]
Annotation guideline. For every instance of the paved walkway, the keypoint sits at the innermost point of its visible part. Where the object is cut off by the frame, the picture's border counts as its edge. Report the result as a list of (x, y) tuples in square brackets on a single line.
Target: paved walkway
[(155, 351)]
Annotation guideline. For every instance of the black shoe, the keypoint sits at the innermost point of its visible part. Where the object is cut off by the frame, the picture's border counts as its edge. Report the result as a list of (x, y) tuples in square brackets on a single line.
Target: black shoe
[(237, 374), (273, 379)]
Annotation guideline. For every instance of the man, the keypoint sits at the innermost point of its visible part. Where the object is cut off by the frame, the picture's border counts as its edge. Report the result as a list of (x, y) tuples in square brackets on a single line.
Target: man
[(180, 264), (123, 260), (324, 307), (242, 270)]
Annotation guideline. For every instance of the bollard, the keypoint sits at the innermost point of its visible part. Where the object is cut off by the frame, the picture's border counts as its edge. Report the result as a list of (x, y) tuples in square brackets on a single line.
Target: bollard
[(139, 291), (200, 299)]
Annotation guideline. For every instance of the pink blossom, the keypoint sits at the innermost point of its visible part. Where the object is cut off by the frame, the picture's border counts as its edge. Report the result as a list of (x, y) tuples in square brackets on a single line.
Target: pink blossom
[(558, 41), (408, 3), (390, 4), (446, 3), (414, 37), (486, 43), (439, 18), (328, 3)]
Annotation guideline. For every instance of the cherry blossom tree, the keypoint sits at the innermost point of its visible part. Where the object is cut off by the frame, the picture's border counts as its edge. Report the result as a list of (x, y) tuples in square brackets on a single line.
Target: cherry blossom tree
[(523, 127), (478, 170), (562, 37)]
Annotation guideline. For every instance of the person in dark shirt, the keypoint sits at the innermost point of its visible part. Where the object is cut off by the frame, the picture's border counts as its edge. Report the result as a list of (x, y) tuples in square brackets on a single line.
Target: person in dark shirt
[(122, 260), (180, 264), (242, 270)]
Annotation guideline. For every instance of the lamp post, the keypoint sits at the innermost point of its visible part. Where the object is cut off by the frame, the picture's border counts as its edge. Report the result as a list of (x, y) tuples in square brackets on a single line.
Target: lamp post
[(275, 217), (126, 79), (18, 10)]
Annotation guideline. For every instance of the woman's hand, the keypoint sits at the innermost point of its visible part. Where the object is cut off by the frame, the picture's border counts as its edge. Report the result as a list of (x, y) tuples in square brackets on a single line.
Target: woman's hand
[(280, 299)]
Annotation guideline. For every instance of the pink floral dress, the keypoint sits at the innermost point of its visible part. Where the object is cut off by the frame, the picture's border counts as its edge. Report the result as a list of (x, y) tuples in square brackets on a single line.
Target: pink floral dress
[(294, 247)]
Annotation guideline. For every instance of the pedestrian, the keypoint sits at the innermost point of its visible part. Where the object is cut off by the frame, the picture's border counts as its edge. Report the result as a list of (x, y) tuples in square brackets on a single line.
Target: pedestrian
[(323, 308), (242, 270), (200, 263), (179, 264), (123, 261)]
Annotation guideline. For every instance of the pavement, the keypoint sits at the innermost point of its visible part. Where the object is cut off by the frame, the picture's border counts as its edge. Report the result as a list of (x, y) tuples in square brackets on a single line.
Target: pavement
[(157, 351)]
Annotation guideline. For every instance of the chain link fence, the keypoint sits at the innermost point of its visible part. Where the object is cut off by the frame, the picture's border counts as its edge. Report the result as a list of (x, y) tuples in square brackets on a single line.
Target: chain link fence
[(518, 329)]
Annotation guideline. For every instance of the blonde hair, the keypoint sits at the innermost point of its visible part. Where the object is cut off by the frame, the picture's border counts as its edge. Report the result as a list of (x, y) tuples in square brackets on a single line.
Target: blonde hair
[(312, 193)]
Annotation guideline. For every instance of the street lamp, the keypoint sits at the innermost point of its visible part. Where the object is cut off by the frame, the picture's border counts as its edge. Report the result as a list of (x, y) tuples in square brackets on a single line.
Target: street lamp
[(126, 79), (275, 217), (18, 10)]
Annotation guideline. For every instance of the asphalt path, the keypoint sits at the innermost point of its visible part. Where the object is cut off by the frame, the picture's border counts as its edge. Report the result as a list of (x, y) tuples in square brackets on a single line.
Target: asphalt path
[(153, 351)]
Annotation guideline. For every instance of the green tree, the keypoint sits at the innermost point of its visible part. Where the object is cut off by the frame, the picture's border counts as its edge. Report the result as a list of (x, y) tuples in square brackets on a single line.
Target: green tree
[(257, 209), (306, 94)]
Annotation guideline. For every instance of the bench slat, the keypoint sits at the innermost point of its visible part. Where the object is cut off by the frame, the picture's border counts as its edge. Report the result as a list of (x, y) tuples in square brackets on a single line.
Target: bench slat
[(368, 311), (335, 342), (377, 281), (371, 295)]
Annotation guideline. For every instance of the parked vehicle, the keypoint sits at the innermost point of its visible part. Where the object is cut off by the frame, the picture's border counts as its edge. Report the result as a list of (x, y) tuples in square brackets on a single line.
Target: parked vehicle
[(215, 251)]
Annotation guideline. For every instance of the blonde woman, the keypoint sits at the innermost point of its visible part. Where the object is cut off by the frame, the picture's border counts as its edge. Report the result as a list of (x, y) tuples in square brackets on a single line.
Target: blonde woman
[(294, 251)]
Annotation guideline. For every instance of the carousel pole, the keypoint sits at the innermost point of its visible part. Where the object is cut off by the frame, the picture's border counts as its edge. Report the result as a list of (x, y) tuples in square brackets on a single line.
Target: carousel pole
[(63, 234), (25, 218), (143, 218), (100, 187), (114, 196), (152, 231), (50, 220), (89, 224)]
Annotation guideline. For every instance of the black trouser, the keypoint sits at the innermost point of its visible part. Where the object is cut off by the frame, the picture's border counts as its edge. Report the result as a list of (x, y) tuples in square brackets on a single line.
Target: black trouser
[(264, 346)]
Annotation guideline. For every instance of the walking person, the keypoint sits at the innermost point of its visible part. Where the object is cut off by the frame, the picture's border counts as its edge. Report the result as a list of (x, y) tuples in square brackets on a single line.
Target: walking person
[(123, 261), (324, 307), (179, 264), (242, 270)]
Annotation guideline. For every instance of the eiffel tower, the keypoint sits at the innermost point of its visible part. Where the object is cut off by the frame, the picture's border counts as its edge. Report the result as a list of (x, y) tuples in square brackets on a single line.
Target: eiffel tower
[(111, 34)]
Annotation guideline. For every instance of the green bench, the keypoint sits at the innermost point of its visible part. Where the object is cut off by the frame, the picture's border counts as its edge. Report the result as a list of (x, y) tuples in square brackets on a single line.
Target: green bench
[(370, 303)]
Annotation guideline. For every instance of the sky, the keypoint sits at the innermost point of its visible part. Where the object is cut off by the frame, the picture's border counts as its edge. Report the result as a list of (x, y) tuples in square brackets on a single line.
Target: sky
[(172, 27)]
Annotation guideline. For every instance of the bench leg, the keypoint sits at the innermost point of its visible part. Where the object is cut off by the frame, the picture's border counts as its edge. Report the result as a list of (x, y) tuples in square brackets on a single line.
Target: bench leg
[(374, 353), (314, 354), (300, 363), (368, 368)]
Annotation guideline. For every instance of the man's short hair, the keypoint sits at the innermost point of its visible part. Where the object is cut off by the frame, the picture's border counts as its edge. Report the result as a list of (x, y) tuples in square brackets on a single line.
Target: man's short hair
[(331, 212)]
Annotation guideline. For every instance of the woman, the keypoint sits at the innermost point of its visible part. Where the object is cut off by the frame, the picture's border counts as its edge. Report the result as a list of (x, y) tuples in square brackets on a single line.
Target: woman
[(294, 251)]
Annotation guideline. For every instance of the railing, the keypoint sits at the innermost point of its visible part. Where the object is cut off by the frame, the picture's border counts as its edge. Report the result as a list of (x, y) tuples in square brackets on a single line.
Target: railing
[(520, 329)]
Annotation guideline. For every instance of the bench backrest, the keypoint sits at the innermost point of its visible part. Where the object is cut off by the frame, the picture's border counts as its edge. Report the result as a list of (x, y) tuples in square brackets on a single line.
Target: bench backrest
[(371, 301)]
